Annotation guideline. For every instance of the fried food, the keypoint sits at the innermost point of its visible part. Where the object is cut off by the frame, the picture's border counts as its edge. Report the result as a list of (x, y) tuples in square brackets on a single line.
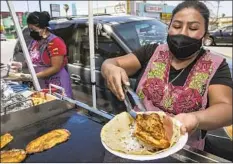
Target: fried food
[(150, 129), (38, 98), (38, 101), (119, 134), (13, 156), (48, 141), (5, 139)]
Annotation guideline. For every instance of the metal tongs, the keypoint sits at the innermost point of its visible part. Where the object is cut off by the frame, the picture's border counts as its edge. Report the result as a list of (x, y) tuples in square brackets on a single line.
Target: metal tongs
[(130, 95)]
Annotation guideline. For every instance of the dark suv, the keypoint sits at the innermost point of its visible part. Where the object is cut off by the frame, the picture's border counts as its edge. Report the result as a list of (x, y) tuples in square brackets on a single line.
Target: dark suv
[(114, 36), (221, 35)]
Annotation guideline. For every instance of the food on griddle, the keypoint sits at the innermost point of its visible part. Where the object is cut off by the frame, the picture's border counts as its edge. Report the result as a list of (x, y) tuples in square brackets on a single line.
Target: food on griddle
[(122, 133), (13, 156), (38, 101), (5, 139), (38, 98), (48, 141)]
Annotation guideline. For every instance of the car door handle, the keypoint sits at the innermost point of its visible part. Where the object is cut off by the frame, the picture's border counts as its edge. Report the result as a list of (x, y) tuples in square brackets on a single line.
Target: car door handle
[(75, 77)]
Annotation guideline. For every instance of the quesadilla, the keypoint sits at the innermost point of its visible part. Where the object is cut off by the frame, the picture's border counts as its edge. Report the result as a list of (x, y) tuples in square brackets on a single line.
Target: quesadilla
[(151, 132), (13, 156), (5, 139), (48, 141)]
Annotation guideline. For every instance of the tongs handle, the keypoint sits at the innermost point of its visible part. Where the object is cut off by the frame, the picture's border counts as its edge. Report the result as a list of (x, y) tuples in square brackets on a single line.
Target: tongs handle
[(135, 98)]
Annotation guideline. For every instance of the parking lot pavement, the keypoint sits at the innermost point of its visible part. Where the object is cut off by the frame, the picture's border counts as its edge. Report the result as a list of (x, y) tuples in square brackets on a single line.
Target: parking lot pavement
[(226, 51)]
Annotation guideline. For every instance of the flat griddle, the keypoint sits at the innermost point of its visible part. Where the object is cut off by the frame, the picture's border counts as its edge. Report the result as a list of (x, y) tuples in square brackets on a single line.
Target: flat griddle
[(16, 120), (84, 144)]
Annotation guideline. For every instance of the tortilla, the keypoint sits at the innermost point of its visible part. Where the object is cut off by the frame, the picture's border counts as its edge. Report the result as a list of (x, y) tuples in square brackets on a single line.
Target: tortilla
[(13, 156), (228, 130), (48, 141), (5, 139), (118, 135)]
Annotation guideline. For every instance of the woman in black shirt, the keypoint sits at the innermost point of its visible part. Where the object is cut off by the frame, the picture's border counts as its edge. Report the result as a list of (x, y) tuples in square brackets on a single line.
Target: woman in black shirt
[(180, 77)]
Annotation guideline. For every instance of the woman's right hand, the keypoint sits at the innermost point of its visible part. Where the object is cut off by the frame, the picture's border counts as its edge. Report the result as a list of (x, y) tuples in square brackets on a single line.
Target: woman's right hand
[(15, 66), (116, 77)]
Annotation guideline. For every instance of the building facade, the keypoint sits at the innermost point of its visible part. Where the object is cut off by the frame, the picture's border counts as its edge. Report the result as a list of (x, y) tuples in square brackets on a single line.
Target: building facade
[(161, 12)]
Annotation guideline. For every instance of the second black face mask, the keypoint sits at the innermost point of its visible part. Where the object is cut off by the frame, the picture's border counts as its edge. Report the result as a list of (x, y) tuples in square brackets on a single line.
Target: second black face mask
[(183, 46), (35, 35)]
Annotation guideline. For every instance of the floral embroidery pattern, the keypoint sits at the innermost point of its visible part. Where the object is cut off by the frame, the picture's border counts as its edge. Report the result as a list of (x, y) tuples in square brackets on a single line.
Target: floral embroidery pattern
[(153, 90), (141, 95), (198, 80), (167, 103), (188, 100), (175, 99), (200, 74), (157, 71)]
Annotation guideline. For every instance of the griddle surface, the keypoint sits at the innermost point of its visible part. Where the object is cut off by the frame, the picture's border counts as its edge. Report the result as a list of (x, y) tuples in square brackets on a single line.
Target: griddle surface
[(84, 144)]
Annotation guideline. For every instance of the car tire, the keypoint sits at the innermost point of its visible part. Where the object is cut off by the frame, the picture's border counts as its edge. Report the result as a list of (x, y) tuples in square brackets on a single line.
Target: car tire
[(209, 41)]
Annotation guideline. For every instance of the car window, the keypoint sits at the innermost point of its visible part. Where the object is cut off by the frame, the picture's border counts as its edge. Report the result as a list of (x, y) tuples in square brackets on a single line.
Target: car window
[(71, 36), (107, 47), (223, 29), (139, 33), (104, 48), (229, 29)]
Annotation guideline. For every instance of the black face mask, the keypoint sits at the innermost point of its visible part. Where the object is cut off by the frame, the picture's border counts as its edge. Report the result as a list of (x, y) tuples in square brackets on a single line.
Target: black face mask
[(183, 46), (35, 35)]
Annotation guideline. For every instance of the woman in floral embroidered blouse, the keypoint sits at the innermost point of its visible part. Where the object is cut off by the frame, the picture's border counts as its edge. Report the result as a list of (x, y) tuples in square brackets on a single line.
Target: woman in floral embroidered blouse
[(180, 77)]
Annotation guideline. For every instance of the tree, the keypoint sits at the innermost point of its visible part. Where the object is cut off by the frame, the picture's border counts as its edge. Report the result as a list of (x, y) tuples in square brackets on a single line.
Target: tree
[(66, 8), (223, 15)]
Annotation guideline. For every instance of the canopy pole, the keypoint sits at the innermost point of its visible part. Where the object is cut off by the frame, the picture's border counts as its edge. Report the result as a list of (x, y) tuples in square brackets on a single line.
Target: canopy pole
[(40, 5), (92, 51), (24, 46)]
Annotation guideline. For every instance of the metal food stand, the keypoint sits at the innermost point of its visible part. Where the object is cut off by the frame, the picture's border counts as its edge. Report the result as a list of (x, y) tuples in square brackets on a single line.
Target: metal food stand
[(84, 144)]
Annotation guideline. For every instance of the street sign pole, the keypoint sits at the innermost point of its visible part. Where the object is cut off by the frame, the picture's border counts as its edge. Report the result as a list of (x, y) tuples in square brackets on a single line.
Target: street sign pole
[(24, 46), (133, 7)]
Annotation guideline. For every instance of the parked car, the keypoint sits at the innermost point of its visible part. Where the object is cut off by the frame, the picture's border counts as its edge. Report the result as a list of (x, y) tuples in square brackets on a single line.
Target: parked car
[(114, 36), (220, 35)]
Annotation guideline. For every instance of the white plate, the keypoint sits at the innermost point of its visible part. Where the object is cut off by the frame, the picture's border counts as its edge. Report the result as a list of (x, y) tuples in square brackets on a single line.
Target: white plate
[(175, 148)]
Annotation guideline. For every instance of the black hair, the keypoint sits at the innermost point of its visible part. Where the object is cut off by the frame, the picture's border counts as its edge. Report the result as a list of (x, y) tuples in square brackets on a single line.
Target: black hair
[(40, 19), (199, 6)]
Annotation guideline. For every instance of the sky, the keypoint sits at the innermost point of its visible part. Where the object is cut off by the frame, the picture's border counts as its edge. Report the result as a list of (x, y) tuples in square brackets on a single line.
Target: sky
[(82, 6)]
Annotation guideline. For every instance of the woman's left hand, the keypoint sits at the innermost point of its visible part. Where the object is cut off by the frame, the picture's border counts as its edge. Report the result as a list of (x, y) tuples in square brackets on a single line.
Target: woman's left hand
[(26, 77), (189, 122)]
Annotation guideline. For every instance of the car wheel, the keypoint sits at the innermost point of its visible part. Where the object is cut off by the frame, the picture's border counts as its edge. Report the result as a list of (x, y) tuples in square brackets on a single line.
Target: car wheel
[(209, 41)]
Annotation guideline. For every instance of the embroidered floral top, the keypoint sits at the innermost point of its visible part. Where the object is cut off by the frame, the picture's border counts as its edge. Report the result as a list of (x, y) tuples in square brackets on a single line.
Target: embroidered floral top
[(158, 93), (222, 75)]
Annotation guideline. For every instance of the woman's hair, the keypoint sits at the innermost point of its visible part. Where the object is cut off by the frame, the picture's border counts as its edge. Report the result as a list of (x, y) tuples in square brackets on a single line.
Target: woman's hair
[(195, 4), (40, 19)]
